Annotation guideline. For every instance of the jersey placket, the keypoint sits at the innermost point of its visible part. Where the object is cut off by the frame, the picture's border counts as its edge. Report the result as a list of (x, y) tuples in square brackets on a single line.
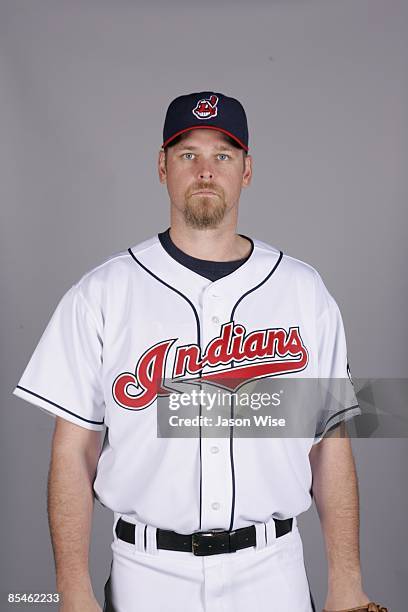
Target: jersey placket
[(216, 468)]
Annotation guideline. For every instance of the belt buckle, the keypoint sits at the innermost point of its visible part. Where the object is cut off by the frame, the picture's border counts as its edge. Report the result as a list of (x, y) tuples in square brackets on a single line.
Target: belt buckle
[(212, 542)]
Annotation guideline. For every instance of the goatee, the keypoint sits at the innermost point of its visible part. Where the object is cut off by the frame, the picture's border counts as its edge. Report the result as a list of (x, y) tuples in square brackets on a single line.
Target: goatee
[(203, 212)]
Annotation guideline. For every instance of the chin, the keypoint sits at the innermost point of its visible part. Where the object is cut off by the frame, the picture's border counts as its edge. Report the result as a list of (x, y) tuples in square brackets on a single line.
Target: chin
[(204, 214), (202, 224)]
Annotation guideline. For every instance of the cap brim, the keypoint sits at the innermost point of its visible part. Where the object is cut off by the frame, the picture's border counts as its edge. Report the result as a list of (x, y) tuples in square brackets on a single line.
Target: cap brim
[(206, 127)]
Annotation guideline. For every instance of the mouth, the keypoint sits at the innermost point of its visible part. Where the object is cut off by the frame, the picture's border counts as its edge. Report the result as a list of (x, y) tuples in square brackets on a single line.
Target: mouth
[(205, 193)]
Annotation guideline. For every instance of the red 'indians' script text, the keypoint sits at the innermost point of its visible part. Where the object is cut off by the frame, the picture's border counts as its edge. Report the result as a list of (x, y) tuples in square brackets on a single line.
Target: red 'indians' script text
[(273, 351)]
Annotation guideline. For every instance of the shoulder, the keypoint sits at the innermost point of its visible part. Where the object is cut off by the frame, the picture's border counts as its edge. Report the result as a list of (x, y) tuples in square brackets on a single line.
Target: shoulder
[(111, 276), (116, 267), (287, 263), (298, 274)]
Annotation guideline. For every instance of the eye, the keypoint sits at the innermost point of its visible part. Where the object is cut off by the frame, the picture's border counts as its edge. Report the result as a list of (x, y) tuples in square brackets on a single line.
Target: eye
[(224, 155), (186, 154)]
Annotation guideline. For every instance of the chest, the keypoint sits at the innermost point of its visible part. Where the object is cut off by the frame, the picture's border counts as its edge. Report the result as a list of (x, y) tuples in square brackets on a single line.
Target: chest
[(159, 332)]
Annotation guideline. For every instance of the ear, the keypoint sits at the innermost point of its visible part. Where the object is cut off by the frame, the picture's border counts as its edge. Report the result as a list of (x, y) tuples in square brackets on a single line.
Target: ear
[(161, 166), (247, 175)]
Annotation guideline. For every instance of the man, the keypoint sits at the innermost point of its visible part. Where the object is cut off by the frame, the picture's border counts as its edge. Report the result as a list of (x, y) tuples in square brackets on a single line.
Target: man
[(200, 523)]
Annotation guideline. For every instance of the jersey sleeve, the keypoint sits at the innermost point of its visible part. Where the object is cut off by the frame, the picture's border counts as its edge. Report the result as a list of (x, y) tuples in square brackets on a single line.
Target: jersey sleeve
[(63, 376), (338, 399)]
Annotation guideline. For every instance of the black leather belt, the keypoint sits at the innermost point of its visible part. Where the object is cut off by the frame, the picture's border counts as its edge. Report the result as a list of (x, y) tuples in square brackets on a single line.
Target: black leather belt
[(201, 543)]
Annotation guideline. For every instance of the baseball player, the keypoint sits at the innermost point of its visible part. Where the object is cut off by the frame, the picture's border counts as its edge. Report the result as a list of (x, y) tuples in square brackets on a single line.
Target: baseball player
[(201, 523)]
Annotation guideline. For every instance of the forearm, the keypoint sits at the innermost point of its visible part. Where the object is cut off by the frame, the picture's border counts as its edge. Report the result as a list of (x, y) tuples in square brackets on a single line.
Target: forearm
[(70, 509), (335, 491)]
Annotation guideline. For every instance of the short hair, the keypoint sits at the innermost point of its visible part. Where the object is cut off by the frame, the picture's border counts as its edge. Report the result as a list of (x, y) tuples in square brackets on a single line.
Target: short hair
[(227, 138)]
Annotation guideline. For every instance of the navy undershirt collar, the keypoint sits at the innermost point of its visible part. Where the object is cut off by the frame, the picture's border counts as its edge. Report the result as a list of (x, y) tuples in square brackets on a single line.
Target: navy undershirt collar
[(213, 270)]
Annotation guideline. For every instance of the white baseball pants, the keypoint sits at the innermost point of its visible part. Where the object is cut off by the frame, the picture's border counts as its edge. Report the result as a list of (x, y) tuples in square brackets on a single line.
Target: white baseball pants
[(270, 577)]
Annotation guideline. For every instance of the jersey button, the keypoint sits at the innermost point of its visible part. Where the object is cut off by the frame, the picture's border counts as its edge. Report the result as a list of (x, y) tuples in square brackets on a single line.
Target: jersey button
[(214, 449), (215, 506), (215, 319)]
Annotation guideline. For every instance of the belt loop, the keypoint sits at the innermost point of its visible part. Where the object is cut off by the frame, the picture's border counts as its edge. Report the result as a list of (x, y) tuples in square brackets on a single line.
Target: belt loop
[(260, 529), (140, 536), (270, 531), (151, 543)]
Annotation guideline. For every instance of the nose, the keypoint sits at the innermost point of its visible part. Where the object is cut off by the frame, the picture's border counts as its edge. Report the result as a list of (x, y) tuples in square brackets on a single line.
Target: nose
[(205, 171), (206, 174)]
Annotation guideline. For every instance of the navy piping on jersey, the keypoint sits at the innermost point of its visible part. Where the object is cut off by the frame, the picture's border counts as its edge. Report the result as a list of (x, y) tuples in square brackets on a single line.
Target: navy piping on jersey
[(172, 288), (244, 295), (60, 407), (334, 416), (198, 336)]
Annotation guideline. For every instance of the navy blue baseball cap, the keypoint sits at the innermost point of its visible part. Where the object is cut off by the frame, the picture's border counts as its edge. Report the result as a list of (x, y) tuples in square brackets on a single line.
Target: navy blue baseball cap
[(206, 109)]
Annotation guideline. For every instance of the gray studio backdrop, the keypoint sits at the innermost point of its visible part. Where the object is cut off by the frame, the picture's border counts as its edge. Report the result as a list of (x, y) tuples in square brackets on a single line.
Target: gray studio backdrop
[(83, 91)]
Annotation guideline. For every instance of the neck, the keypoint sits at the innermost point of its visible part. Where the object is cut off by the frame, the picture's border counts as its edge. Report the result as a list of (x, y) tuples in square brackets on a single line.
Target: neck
[(219, 244)]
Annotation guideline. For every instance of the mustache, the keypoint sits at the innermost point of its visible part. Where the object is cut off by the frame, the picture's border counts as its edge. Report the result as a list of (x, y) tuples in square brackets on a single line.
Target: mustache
[(204, 187)]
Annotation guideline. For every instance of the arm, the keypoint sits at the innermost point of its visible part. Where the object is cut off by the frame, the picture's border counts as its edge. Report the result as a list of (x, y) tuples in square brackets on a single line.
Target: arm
[(74, 457), (335, 491)]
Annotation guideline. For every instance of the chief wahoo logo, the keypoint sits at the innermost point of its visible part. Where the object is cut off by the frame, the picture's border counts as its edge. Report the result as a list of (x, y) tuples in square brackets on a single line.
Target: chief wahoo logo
[(206, 109)]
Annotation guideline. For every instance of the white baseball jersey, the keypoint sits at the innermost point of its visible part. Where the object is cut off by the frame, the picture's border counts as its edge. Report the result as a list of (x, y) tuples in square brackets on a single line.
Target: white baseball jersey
[(141, 315)]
